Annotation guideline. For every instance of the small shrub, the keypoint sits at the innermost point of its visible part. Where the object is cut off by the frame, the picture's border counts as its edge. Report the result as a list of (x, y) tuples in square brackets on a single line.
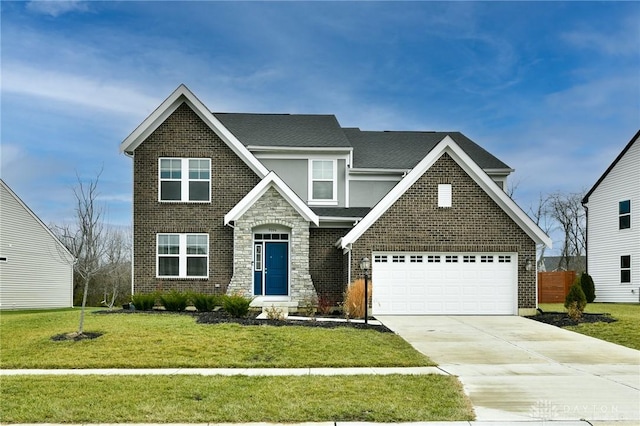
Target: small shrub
[(205, 302), (588, 287), (144, 301), (308, 307), (324, 305), (235, 305), (354, 299), (174, 301), (575, 302), (274, 313)]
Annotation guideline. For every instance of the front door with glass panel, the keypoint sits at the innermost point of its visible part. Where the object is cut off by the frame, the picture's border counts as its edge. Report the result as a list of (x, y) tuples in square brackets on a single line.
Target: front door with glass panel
[(271, 264)]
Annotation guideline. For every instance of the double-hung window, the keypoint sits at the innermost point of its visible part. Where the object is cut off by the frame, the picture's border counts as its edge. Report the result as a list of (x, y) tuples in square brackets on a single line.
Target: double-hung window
[(624, 212), (625, 269), (323, 182), (185, 179), (182, 255)]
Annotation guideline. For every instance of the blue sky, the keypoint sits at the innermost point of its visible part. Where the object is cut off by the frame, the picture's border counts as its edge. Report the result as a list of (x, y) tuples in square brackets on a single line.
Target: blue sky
[(551, 88)]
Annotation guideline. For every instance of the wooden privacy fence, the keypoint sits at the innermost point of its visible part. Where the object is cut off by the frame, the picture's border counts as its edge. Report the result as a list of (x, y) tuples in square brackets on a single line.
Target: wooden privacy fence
[(553, 287)]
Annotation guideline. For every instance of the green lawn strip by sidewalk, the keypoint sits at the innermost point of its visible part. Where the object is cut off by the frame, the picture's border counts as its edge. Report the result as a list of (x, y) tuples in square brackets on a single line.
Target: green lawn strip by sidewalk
[(625, 331), (172, 341), (217, 399)]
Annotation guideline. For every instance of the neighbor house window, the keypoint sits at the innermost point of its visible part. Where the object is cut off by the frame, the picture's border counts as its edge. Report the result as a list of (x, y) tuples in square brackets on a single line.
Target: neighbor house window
[(323, 182), (444, 195), (182, 255), (624, 210), (625, 269), (185, 179)]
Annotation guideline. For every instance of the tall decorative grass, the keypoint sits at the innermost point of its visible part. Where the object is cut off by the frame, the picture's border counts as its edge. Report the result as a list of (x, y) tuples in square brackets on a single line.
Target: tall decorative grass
[(354, 299)]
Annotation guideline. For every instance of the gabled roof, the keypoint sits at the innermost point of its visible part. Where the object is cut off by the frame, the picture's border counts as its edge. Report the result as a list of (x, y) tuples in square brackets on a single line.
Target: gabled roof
[(449, 146), (285, 130), (633, 140), (403, 150), (183, 95), (271, 180), (4, 185)]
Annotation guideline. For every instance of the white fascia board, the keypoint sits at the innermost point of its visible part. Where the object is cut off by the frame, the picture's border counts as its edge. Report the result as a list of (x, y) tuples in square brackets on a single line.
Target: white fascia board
[(449, 146), (260, 148), (378, 171), (180, 95), (271, 180)]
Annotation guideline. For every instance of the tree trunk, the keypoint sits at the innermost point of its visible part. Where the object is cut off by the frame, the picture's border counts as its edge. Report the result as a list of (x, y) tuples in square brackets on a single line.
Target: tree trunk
[(84, 303)]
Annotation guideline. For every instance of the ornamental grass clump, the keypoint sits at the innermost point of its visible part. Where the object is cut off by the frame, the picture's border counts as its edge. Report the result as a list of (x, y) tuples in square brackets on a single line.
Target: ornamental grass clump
[(354, 299)]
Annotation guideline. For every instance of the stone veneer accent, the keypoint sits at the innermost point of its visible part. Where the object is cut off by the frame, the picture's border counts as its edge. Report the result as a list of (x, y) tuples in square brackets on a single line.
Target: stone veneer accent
[(185, 135), (475, 223), (272, 209)]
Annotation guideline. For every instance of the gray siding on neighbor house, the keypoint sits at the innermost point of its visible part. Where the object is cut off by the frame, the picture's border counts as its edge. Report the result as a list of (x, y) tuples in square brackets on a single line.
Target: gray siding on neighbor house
[(475, 223), (38, 271), (367, 193)]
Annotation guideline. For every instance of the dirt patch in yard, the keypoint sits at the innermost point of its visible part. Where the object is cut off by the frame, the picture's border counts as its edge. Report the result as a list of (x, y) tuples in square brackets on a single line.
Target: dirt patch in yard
[(561, 319)]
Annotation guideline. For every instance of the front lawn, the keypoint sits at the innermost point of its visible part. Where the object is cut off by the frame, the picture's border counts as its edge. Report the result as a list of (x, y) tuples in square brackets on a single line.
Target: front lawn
[(625, 331), (174, 340), (217, 399)]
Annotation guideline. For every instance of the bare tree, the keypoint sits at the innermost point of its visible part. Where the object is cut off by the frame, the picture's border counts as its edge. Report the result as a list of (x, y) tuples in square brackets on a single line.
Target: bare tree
[(567, 211), (541, 218), (117, 280), (85, 238)]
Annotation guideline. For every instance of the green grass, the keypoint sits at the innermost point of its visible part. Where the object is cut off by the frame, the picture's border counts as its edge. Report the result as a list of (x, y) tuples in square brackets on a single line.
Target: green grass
[(625, 331), (172, 340), (216, 399)]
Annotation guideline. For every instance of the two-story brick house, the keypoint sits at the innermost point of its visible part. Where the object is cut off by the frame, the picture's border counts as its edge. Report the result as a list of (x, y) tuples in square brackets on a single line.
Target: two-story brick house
[(282, 208)]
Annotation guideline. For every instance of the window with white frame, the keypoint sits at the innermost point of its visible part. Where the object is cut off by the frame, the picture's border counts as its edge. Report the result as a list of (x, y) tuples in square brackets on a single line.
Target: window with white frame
[(444, 195), (625, 269), (323, 181), (624, 211), (185, 179), (182, 255)]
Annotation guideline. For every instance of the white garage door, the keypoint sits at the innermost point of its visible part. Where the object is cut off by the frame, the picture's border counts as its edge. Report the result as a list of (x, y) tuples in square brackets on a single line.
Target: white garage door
[(444, 283)]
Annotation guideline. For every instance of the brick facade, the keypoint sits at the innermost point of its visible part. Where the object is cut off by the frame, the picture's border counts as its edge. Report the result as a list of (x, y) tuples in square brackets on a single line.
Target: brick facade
[(325, 263), (185, 135), (475, 223)]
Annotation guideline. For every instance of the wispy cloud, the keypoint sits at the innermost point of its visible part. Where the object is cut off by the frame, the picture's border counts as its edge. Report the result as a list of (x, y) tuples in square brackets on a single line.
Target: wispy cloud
[(620, 39), (56, 8)]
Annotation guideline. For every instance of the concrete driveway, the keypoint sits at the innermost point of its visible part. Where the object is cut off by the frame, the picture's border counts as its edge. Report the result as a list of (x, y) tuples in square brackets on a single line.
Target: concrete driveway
[(516, 369)]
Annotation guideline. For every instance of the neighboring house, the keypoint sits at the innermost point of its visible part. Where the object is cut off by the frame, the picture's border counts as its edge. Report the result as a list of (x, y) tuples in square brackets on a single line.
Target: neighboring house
[(283, 207), (613, 228), (36, 270), (559, 263)]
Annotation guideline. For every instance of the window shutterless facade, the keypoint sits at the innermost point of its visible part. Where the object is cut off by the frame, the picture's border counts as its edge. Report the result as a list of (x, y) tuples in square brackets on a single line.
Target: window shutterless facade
[(184, 180), (625, 269), (182, 256), (323, 182), (624, 212)]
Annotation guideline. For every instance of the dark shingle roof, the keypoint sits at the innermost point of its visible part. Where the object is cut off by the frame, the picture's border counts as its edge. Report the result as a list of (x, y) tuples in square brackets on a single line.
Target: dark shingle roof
[(287, 130), (341, 211), (403, 150)]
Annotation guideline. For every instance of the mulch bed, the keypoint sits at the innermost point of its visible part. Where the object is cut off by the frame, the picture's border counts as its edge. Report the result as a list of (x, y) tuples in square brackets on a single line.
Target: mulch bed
[(221, 317), (561, 319), (75, 336)]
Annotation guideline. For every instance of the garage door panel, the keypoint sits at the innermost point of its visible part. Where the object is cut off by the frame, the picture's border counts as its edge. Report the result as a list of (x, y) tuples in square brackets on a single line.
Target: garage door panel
[(459, 283)]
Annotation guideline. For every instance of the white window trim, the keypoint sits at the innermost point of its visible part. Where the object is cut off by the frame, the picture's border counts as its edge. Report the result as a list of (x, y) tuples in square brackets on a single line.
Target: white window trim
[(182, 256), (444, 195), (620, 215), (322, 202), (184, 180)]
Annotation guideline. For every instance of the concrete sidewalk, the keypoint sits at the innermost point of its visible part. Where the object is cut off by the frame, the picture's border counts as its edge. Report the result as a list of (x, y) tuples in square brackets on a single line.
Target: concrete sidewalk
[(229, 371)]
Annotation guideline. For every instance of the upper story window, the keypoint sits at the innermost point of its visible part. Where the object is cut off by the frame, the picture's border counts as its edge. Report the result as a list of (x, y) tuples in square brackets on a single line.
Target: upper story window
[(624, 211), (185, 179), (182, 256), (444, 195), (323, 181)]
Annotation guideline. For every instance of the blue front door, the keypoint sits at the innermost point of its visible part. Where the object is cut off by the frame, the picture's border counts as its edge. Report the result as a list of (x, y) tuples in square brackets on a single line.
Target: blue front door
[(276, 268)]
